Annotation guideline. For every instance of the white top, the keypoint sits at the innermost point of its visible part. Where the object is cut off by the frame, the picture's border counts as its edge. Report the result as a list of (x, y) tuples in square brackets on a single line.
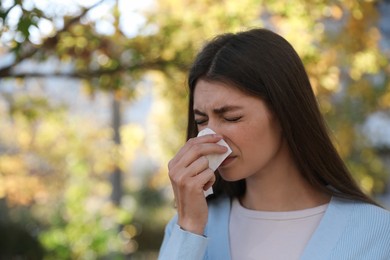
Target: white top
[(271, 235)]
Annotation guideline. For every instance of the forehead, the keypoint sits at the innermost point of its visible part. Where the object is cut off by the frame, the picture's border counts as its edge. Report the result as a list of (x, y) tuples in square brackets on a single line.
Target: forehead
[(214, 94)]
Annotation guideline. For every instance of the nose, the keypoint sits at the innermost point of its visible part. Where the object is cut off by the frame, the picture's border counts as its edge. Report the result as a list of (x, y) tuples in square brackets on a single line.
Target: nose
[(219, 129), (215, 126)]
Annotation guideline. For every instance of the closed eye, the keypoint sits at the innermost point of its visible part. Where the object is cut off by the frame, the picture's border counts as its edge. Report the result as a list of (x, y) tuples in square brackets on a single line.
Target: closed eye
[(200, 121), (233, 119)]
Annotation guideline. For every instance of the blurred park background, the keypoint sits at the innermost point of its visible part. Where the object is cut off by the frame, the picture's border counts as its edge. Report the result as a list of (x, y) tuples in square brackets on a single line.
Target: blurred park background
[(93, 106)]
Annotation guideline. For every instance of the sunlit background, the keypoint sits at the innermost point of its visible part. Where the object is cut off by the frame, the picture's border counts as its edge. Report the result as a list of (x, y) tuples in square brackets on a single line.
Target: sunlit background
[(93, 106)]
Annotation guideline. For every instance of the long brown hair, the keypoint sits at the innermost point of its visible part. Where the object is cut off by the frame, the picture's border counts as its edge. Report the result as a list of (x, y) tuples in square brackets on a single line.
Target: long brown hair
[(262, 63)]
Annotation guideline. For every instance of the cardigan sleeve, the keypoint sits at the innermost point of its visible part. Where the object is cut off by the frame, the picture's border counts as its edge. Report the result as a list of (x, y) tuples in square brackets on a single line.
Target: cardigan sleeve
[(179, 244)]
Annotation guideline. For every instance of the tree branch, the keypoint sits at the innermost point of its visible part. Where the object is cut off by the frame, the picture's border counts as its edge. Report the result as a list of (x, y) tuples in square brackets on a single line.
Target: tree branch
[(30, 49), (87, 74)]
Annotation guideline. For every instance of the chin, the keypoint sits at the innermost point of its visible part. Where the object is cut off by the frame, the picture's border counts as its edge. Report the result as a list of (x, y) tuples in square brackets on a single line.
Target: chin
[(229, 177)]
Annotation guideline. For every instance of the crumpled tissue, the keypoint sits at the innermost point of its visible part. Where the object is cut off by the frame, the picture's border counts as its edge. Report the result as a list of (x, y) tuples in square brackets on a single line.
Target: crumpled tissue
[(215, 159)]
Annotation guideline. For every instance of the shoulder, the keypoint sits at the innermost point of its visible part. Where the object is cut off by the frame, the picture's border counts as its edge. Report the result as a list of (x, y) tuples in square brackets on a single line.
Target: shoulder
[(351, 229), (372, 210), (364, 230), (370, 215), (363, 213), (364, 224)]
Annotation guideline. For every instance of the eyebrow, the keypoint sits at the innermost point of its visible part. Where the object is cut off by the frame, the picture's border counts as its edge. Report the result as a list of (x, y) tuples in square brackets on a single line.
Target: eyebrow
[(218, 111)]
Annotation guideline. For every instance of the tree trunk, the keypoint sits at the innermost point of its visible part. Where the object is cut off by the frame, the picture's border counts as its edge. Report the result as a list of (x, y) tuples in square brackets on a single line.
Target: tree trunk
[(116, 175)]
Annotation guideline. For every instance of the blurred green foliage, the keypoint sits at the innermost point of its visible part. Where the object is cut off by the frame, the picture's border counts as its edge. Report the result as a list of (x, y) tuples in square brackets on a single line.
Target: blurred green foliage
[(62, 162)]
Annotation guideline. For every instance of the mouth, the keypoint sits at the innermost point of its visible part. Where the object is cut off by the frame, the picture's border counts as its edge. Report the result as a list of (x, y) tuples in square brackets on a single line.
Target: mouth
[(227, 161)]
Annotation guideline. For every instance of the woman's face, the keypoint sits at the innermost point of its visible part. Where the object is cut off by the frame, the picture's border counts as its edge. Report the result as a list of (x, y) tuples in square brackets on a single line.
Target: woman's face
[(246, 124)]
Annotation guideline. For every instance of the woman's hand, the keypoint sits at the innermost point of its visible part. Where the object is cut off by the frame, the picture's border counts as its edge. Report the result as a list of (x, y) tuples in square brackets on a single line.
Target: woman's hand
[(190, 175)]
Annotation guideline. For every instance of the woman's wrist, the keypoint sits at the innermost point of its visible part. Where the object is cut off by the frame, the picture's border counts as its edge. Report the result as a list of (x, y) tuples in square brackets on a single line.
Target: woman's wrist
[(192, 227)]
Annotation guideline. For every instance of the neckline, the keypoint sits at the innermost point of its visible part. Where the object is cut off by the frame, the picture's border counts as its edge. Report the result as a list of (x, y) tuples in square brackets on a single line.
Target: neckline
[(278, 215)]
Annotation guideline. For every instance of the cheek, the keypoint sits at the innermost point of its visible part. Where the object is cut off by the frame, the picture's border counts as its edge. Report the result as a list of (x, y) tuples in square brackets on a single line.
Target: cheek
[(253, 133), (257, 139), (240, 135), (249, 140)]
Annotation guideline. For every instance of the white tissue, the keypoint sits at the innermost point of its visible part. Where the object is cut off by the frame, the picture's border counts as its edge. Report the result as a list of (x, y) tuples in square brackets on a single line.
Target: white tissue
[(215, 159)]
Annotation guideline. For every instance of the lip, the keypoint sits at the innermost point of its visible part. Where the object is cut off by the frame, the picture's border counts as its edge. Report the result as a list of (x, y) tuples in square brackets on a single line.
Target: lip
[(227, 161)]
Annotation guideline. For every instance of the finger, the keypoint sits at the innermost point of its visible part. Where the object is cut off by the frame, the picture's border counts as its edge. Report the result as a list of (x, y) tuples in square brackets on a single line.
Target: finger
[(213, 138), (198, 166), (200, 150), (192, 184), (205, 179)]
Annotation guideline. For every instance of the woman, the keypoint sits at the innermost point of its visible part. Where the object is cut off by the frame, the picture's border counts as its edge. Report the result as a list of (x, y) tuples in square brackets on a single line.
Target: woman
[(283, 192)]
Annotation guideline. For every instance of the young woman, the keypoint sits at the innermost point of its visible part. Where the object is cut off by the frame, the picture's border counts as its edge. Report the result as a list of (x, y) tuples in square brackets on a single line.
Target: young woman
[(283, 192)]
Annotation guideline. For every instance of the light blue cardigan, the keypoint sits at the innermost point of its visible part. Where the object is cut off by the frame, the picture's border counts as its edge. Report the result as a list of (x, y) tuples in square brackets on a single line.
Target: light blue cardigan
[(348, 230)]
